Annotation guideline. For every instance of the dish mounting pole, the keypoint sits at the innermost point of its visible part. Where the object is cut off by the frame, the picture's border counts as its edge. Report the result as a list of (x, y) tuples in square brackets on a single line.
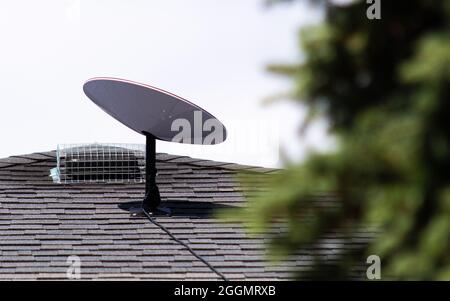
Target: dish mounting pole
[(152, 198)]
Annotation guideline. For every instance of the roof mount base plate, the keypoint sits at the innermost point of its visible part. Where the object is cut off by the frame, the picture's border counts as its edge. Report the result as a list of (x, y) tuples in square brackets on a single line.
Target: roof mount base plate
[(140, 212)]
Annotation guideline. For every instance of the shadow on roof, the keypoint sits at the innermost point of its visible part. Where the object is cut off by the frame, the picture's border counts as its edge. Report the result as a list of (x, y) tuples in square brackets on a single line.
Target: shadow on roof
[(190, 209)]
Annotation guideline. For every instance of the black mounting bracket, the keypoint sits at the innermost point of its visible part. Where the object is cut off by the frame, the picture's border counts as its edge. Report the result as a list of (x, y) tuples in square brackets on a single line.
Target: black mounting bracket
[(152, 198)]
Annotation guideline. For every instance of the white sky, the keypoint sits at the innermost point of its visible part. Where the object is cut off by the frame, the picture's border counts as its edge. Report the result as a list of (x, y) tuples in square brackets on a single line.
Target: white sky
[(213, 53)]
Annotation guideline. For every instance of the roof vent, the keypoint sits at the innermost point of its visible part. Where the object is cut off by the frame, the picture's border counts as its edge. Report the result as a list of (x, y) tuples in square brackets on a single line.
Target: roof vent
[(99, 163)]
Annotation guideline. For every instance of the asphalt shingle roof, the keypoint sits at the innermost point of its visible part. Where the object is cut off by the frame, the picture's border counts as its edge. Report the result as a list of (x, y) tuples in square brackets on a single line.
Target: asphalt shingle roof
[(42, 223)]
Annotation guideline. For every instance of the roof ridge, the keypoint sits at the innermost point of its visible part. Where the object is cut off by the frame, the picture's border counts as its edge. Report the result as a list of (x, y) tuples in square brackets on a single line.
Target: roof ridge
[(26, 159), (36, 157), (212, 163)]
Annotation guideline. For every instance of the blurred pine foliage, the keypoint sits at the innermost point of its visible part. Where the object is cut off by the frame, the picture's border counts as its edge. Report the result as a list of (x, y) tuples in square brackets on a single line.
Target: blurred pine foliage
[(384, 86)]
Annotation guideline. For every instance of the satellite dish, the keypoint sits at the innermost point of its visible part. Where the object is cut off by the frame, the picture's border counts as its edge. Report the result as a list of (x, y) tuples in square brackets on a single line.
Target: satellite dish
[(157, 114), (147, 109)]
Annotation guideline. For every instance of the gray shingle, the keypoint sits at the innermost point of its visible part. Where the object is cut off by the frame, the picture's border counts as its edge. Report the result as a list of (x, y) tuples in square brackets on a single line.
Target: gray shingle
[(42, 223)]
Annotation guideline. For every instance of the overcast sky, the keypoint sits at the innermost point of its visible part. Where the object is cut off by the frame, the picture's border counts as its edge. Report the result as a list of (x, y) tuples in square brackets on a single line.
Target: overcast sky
[(213, 53)]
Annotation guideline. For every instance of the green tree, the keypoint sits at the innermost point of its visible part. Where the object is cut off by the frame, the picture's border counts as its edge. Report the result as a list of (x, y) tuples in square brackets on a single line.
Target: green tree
[(384, 87)]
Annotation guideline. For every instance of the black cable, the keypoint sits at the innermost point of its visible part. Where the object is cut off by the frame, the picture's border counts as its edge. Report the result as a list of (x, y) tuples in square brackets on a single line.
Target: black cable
[(152, 220)]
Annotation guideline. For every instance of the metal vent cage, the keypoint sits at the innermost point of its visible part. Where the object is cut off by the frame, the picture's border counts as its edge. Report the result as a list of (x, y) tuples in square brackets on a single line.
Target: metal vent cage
[(99, 163)]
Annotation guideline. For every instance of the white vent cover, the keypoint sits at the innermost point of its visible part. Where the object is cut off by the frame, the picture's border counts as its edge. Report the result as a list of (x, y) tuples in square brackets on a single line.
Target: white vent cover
[(99, 163)]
